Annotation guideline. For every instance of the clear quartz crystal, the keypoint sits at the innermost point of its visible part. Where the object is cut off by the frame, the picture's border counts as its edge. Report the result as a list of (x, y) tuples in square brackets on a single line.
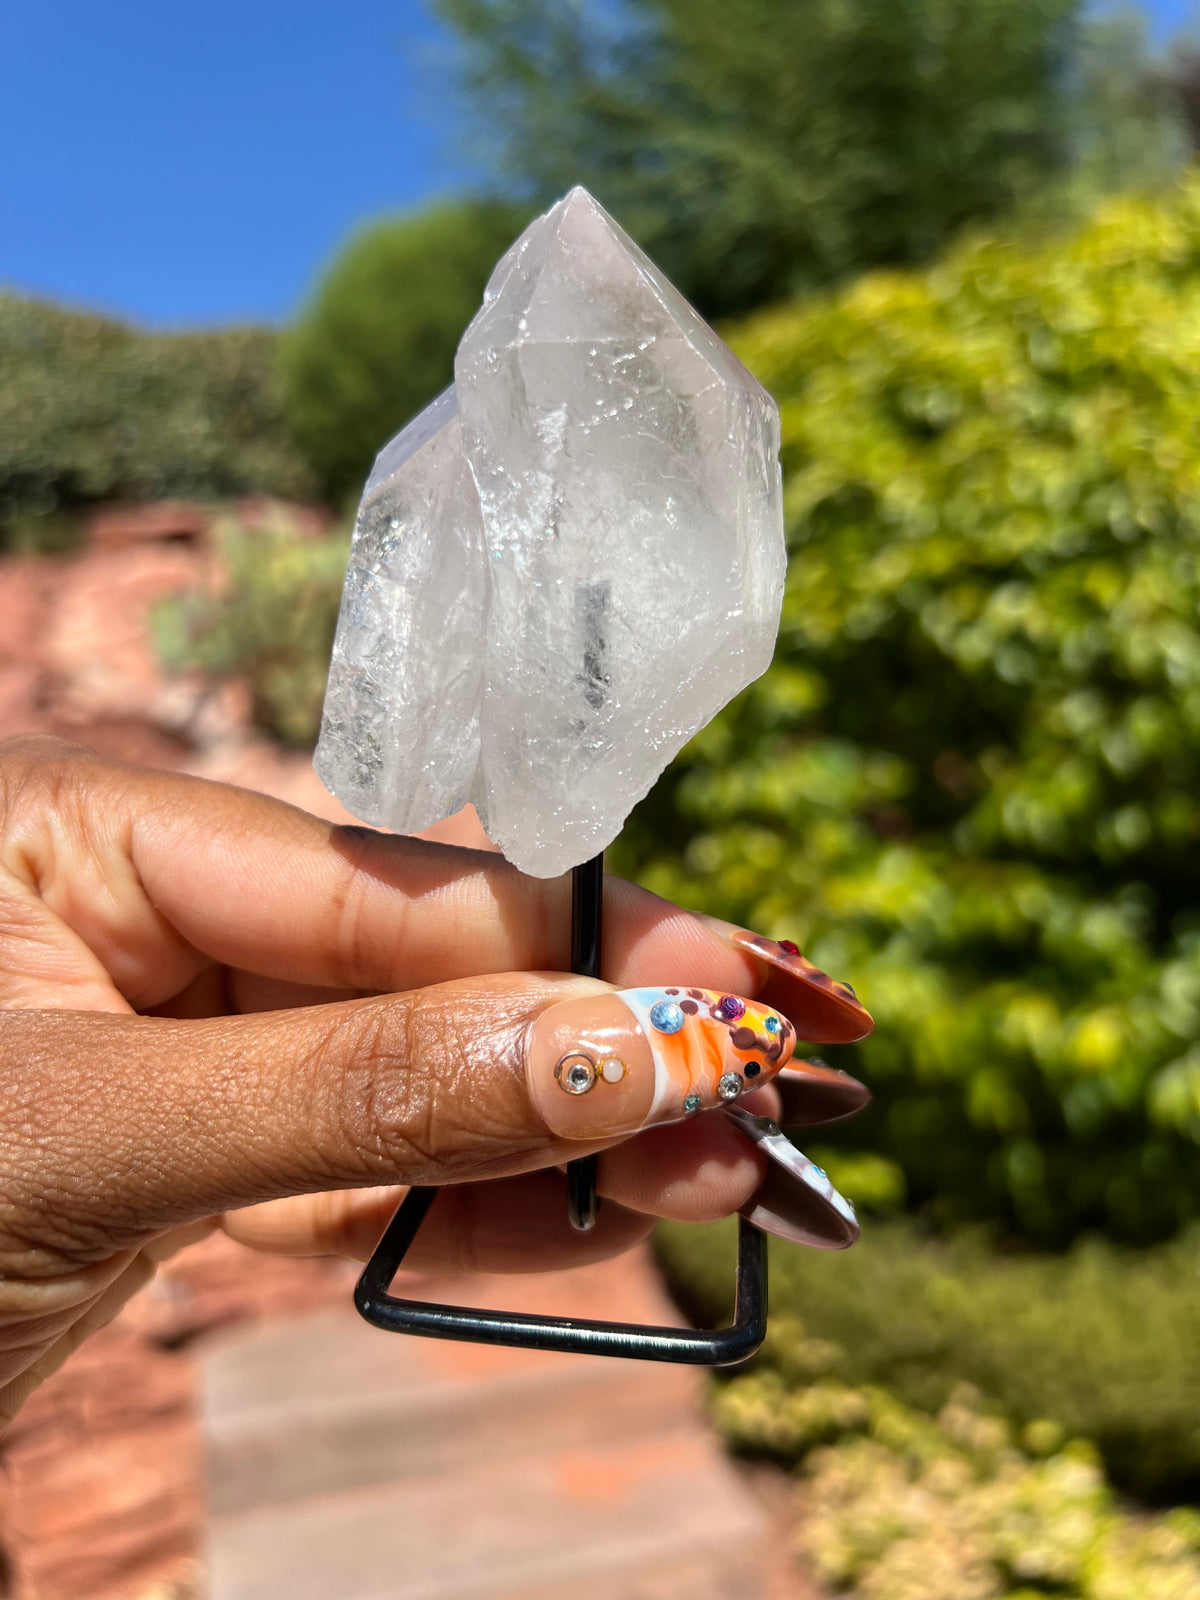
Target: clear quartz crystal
[(399, 741), (604, 576)]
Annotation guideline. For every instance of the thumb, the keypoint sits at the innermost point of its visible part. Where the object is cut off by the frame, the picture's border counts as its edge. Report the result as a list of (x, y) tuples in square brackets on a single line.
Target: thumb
[(113, 1128)]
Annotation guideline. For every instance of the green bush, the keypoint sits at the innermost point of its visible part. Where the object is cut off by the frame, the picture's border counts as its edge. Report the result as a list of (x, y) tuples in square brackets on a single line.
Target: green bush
[(378, 341), (92, 409), (270, 622), (1099, 1344), (969, 783)]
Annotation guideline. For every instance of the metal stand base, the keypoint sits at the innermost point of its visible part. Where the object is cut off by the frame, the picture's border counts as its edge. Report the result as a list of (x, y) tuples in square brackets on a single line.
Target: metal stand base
[(722, 1347)]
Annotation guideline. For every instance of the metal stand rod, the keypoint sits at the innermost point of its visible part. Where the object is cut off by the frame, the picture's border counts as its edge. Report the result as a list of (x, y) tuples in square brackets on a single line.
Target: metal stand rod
[(587, 929), (720, 1347)]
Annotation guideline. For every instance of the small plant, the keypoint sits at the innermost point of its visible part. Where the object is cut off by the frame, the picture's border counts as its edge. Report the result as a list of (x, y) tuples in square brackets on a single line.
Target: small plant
[(271, 622)]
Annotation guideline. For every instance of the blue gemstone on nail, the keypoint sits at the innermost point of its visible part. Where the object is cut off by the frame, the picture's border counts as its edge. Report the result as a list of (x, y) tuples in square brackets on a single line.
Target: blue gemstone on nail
[(666, 1016), (820, 1171), (692, 1103), (773, 1025)]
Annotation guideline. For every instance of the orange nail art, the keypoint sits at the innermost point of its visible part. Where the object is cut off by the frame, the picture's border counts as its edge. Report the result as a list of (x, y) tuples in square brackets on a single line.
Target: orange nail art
[(613, 1063)]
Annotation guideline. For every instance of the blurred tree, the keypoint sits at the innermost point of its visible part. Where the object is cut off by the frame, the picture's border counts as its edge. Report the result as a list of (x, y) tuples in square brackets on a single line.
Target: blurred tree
[(1130, 109), (755, 147), (378, 341), (970, 782), (93, 409)]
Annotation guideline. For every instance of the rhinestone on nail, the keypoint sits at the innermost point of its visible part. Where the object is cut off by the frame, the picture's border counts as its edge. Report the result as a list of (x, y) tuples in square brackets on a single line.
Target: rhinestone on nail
[(730, 1008), (773, 1025), (729, 1086), (576, 1073), (692, 1103), (666, 1016), (791, 948), (612, 1069)]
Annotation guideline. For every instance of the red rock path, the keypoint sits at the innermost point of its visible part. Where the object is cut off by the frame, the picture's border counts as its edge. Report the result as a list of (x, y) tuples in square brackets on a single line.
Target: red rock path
[(535, 1473)]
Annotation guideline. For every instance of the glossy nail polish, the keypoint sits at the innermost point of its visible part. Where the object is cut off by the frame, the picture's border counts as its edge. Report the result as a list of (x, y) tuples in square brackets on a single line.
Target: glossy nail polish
[(811, 1092), (796, 1200), (824, 1010), (610, 1064)]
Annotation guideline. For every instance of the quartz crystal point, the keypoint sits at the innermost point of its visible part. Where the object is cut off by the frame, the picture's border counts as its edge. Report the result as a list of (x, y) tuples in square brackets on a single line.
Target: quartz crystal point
[(399, 741), (554, 585)]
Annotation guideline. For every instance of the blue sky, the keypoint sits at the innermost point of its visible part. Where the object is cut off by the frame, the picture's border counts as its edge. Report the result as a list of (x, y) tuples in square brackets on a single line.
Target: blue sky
[(191, 163), (187, 164)]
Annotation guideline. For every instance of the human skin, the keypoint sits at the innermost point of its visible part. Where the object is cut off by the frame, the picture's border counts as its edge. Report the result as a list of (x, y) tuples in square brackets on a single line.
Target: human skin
[(218, 1010)]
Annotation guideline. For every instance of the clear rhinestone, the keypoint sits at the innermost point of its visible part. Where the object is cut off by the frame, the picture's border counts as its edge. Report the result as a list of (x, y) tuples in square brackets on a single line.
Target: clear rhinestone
[(576, 1073), (730, 1085)]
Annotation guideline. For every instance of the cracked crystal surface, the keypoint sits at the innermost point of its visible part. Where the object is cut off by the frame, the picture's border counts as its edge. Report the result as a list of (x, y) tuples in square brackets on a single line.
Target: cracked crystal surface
[(596, 565)]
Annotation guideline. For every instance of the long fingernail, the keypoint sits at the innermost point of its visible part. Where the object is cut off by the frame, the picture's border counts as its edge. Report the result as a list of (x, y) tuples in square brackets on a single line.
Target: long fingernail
[(796, 1200), (607, 1064), (811, 1092), (821, 1007)]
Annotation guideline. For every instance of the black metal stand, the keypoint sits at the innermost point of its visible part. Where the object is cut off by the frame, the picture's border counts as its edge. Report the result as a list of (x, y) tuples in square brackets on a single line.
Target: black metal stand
[(587, 933), (723, 1347)]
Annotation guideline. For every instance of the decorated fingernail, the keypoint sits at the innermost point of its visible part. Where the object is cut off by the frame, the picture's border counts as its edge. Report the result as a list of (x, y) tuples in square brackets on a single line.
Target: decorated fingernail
[(822, 1008), (612, 1063), (811, 1092), (796, 1200)]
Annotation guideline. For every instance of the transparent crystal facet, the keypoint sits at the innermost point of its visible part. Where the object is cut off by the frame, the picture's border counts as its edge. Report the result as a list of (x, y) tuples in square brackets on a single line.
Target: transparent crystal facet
[(611, 558), (399, 741)]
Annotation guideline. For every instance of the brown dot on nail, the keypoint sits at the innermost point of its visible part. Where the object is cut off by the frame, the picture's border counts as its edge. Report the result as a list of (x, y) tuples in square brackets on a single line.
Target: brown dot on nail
[(696, 994), (689, 1006), (743, 1039), (672, 991)]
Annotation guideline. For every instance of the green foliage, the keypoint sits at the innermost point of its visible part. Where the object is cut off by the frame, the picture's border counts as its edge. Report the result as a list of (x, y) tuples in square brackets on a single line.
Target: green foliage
[(1098, 1344), (755, 148), (92, 409), (378, 341), (271, 621), (969, 782), (952, 1509)]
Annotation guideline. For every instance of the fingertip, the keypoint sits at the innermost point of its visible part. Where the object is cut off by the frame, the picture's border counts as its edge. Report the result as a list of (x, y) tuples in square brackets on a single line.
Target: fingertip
[(651, 940), (698, 1171)]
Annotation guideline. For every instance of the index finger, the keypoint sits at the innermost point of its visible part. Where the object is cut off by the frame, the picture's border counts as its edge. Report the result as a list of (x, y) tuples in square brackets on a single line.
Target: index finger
[(252, 883)]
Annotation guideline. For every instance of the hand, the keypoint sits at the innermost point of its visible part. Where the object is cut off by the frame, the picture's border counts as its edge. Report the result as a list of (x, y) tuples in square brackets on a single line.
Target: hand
[(210, 1000)]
